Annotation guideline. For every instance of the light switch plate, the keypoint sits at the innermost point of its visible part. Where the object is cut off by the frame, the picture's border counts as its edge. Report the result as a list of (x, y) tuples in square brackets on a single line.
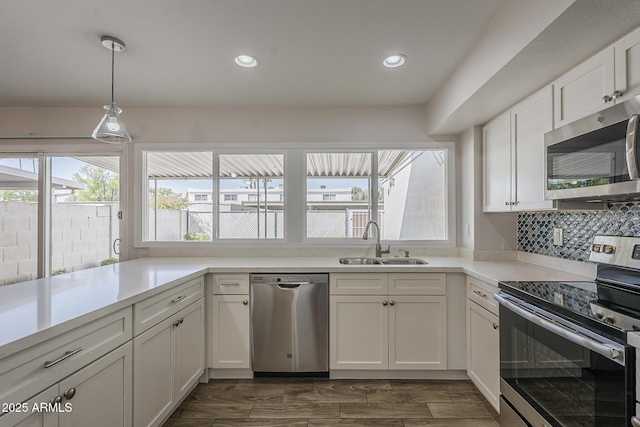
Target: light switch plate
[(558, 236)]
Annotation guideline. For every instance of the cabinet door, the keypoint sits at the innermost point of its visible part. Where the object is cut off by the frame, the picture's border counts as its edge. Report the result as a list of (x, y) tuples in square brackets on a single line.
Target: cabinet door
[(627, 57), (579, 92), (101, 393), (496, 155), (189, 348), (25, 416), (483, 357), (359, 332), (231, 332), (417, 332), (152, 374), (529, 122)]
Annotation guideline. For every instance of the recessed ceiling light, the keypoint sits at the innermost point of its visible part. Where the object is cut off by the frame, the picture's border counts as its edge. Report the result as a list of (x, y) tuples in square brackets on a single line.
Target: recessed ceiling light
[(394, 61), (246, 61)]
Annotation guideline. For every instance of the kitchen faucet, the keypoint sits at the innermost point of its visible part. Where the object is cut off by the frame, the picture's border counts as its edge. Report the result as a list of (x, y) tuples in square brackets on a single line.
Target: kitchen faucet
[(365, 236)]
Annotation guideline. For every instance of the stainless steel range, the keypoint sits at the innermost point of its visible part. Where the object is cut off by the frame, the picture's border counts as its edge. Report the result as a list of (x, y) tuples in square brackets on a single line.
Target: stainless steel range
[(564, 355)]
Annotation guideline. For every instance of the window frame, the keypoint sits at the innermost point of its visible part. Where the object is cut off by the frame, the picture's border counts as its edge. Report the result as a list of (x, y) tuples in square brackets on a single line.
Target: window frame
[(43, 149), (295, 192)]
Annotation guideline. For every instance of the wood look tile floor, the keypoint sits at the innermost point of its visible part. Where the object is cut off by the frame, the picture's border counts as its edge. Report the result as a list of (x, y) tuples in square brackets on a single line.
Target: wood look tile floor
[(308, 402)]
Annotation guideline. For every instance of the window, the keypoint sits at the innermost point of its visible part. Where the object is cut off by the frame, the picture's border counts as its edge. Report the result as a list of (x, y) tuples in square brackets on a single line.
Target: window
[(413, 194), (231, 197), (411, 200), (171, 177), (347, 174), (260, 178), (19, 219), (72, 202)]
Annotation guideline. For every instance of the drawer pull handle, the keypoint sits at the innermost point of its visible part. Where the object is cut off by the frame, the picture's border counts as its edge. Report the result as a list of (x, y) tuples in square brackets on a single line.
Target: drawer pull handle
[(69, 393), (180, 298), (480, 293), (230, 284), (56, 399), (67, 355)]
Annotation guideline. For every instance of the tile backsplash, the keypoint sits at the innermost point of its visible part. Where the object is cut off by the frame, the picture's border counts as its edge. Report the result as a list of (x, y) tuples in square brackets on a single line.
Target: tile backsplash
[(535, 229)]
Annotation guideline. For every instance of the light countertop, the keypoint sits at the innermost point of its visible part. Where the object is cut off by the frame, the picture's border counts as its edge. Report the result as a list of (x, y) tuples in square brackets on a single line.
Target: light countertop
[(34, 311)]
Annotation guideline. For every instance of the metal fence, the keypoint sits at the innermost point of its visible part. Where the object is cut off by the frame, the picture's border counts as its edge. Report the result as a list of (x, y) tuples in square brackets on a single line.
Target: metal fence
[(253, 225)]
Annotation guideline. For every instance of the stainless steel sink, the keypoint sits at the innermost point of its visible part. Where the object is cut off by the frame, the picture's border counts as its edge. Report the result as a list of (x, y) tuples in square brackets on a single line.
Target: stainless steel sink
[(403, 261), (359, 261), (387, 261)]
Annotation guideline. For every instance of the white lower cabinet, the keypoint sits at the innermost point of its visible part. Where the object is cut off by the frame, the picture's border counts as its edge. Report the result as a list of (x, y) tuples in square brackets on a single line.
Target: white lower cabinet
[(230, 346), (168, 361), (99, 394), (483, 341), (388, 332)]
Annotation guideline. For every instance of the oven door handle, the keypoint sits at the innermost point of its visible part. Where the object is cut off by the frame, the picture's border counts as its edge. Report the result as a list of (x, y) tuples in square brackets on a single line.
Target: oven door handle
[(611, 350)]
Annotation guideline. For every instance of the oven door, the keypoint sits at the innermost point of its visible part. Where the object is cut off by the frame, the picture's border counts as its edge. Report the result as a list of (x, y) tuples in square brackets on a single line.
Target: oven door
[(556, 373)]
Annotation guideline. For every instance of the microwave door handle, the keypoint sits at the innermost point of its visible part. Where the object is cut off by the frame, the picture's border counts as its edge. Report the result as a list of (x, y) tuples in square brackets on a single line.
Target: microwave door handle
[(631, 148), (613, 351)]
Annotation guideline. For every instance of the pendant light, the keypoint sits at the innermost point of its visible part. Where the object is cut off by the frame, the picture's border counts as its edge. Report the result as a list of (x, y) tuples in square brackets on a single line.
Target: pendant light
[(111, 129)]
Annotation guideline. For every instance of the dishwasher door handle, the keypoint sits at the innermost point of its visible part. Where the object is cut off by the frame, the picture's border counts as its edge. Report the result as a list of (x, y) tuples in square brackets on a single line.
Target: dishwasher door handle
[(292, 285)]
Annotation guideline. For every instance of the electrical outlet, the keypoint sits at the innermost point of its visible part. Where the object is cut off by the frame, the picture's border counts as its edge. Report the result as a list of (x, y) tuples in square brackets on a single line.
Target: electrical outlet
[(558, 236), (558, 298)]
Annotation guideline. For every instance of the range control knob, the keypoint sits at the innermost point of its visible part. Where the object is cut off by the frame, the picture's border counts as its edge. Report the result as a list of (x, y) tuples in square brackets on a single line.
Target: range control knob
[(596, 248), (609, 249)]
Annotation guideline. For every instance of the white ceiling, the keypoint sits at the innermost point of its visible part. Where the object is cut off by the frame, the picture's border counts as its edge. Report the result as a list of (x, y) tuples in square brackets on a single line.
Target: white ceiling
[(181, 52)]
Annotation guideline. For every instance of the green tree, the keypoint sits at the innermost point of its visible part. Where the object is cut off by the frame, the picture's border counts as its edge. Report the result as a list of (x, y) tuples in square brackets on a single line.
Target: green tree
[(358, 193), (102, 185), (18, 196), (167, 199)]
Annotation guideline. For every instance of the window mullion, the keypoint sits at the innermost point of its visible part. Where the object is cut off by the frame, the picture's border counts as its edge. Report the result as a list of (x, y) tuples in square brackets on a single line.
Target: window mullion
[(44, 216)]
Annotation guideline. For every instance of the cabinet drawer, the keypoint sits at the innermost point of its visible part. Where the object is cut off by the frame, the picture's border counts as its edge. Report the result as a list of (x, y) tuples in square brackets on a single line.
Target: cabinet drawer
[(231, 284), (155, 309), (358, 284), (417, 284), (26, 373), (482, 294)]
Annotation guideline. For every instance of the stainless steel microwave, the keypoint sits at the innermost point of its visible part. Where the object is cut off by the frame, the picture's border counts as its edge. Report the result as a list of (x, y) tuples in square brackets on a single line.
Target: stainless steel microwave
[(597, 157)]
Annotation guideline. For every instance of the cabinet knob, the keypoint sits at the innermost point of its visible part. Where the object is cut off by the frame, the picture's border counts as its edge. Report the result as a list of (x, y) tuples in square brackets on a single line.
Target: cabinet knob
[(385, 303), (69, 393), (181, 320), (56, 399), (245, 302), (635, 421), (495, 326), (176, 323), (615, 95), (392, 302)]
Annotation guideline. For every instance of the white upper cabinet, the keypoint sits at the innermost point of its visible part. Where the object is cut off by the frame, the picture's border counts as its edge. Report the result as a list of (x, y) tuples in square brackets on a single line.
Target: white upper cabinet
[(496, 154), (627, 66), (579, 92), (513, 156), (530, 120), (609, 77)]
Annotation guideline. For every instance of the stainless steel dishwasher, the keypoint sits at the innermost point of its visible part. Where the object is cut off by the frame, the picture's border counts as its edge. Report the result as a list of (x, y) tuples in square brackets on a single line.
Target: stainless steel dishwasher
[(290, 323)]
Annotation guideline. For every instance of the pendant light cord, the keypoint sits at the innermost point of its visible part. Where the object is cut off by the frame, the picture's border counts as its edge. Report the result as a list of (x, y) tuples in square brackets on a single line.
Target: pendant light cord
[(113, 51)]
